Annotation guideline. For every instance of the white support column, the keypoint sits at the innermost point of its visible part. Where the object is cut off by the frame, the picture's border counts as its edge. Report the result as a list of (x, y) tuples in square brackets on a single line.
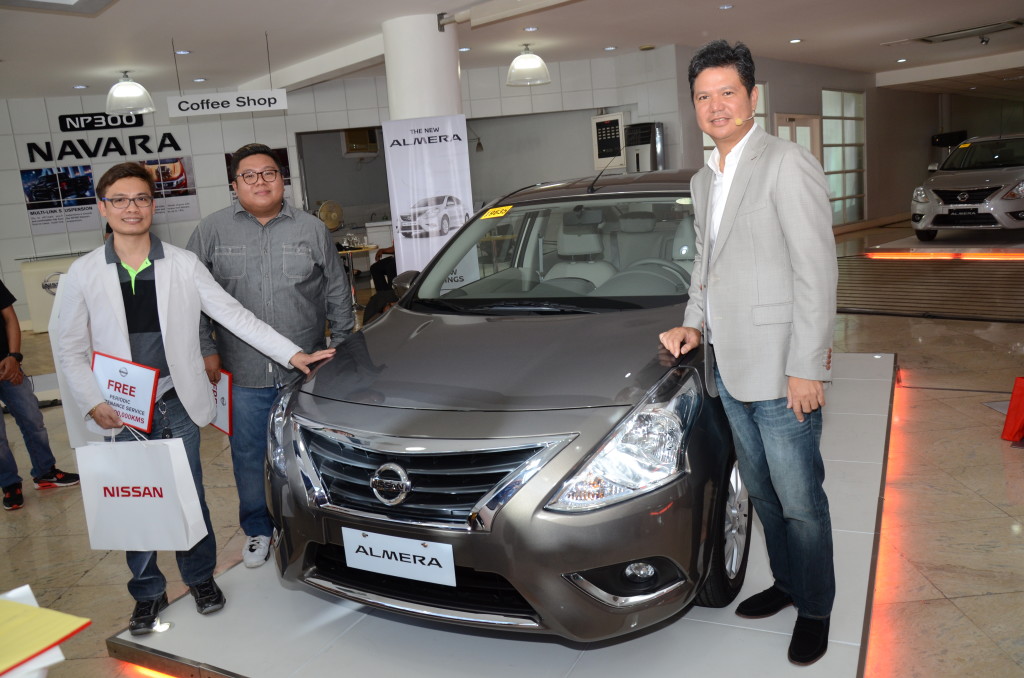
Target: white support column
[(422, 67)]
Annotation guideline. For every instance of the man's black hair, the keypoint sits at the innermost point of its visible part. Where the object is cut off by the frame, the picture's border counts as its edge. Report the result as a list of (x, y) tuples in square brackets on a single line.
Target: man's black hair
[(251, 149), (718, 54)]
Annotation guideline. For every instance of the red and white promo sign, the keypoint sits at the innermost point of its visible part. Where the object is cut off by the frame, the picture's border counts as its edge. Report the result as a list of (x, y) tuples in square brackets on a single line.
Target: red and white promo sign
[(130, 388)]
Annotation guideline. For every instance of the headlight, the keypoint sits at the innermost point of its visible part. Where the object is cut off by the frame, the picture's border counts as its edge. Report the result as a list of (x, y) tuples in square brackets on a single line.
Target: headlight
[(920, 195), (645, 451), (280, 438), (1015, 193)]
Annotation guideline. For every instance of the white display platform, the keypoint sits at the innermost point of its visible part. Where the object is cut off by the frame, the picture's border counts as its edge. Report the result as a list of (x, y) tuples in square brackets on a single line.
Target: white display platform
[(268, 631)]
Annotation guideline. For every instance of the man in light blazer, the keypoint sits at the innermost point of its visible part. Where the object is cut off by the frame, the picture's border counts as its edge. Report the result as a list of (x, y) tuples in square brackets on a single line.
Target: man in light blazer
[(762, 298), (138, 299)]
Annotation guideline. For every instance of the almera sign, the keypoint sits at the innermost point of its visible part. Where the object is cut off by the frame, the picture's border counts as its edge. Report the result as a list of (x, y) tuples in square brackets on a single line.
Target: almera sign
[(79, 122)]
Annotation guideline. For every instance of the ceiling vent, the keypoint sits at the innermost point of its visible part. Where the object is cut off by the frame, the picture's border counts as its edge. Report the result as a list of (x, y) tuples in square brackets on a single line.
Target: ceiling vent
[(972, 32)]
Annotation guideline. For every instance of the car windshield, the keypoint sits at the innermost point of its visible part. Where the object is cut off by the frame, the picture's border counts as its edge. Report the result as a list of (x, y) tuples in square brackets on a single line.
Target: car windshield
[(428, 202), (577, 255), (986, 155)]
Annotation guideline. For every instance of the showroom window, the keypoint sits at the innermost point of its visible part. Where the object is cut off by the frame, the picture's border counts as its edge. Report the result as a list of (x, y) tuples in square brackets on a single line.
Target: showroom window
[(842, 124), (760, 118)]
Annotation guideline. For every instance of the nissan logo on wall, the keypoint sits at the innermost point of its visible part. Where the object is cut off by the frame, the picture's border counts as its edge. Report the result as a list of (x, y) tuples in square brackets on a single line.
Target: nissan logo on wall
[(50, 283), (390, 483)]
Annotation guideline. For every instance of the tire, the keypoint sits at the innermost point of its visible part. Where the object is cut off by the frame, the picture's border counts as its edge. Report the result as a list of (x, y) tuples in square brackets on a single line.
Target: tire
[(445, 226), (926, 235), (731, 547)]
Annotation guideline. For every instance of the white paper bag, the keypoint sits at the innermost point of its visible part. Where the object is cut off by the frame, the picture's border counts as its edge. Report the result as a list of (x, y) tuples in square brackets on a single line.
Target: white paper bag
[(139, 496)]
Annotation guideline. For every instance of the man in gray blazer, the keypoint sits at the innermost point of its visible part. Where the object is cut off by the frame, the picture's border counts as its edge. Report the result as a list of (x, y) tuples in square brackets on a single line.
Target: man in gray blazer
[(763, 299)]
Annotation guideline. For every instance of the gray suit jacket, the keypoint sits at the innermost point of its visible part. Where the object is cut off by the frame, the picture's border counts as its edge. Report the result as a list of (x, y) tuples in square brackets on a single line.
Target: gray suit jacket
[(773, 272)]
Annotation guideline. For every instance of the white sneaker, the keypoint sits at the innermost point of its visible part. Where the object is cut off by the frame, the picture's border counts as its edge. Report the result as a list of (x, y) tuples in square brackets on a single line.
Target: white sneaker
[(256, 551)]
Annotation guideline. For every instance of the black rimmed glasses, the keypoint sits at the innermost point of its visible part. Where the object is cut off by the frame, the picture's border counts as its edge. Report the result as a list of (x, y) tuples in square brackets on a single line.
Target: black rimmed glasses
[(269, 176), (120, 202)]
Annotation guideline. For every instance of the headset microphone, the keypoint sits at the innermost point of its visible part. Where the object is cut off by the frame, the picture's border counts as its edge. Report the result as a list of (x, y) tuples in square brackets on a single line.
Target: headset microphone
[(739, 121)]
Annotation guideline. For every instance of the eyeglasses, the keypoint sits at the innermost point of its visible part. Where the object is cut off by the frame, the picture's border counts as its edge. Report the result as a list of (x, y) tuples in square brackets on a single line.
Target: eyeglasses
[(120, 202), (269, 176)]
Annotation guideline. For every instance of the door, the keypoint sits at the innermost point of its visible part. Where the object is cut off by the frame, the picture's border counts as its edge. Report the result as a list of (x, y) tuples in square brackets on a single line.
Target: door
[(801, 129)]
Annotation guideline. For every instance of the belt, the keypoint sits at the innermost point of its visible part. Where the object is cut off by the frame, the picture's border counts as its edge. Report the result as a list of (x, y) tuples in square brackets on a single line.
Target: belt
[(170, 395)]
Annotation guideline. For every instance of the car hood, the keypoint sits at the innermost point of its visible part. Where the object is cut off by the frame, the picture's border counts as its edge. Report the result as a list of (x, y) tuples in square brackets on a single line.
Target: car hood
[(498, 363), (974, 178)]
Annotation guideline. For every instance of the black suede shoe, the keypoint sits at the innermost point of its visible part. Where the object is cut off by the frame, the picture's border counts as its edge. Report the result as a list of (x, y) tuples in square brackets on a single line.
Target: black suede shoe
[(209, 597), (810, 640), (764, 604), (146, 615)]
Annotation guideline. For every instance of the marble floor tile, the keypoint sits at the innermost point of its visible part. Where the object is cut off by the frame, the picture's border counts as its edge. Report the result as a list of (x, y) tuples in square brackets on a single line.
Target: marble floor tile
[(932, 639), (1000, 617), (1000, 482), (897, 580), (965, 557)]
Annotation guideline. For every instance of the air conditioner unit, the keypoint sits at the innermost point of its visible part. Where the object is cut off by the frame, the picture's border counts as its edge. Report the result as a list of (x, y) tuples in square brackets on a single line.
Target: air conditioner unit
[(360, 142)]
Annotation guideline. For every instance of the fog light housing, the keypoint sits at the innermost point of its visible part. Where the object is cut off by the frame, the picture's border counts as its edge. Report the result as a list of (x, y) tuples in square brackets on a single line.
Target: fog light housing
[(916, 218), (639, 572), (1019, 216), (631, 583)]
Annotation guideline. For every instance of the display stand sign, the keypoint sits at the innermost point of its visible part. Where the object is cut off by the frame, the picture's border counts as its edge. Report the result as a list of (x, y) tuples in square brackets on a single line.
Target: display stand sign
[(222, 403), (130, 388)]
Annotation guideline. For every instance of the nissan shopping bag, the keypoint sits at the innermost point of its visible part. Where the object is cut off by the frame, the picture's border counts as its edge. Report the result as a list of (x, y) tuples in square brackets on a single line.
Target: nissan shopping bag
[(139, 496), (1013, 429)]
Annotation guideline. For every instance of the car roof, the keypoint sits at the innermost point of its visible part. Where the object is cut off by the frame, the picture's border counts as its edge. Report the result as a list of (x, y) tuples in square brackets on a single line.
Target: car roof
[(997, 137), (665, 181)]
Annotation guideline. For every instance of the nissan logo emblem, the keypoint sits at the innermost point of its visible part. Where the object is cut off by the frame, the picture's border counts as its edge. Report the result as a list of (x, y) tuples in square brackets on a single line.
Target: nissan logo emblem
[(50, 283), (390, 483), (962, 197)]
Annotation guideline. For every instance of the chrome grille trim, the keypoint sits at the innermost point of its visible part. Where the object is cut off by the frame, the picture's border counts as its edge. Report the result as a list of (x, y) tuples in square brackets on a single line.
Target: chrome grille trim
[(452, 489)]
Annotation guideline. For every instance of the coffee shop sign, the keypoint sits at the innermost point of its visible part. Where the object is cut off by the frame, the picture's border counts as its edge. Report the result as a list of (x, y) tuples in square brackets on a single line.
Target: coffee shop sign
[(220, 103)]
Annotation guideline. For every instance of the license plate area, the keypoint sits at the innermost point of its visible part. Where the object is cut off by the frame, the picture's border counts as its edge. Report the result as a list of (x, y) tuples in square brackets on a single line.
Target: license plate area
[(959, 211), (407, 558)]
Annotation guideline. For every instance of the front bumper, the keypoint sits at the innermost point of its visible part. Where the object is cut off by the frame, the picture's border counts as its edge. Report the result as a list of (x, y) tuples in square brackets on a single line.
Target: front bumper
[(526, 568), (1002, 214)]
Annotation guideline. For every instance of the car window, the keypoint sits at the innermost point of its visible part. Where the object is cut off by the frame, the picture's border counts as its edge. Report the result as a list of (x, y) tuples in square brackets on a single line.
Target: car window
[(607, 253), (990, 154)]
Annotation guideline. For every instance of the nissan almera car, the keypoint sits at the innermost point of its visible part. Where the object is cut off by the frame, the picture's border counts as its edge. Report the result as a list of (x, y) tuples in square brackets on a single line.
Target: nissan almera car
[(508, 447), (980, 185), (433, 216)]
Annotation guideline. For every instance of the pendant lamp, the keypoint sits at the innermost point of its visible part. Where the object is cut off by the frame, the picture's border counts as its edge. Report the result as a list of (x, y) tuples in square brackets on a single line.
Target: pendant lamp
[(128, 97), (527, 69)]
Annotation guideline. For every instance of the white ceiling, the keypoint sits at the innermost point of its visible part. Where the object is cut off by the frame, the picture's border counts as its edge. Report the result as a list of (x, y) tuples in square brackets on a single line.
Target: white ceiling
[(43, 53)]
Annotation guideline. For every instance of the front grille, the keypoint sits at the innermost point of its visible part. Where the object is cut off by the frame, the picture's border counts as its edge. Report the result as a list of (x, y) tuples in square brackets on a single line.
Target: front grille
[(474, 591), (983, 219), (445, 486), (975, 196)]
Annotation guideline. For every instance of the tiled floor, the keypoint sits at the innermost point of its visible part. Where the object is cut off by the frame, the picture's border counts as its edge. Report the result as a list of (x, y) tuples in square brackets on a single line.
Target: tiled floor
[(949, 594)]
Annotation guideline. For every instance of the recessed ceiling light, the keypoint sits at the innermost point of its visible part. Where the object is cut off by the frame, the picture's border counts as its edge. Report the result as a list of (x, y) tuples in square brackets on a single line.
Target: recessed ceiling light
[(901, 61), (198, 79), (182, 52), (795, 41), (725, 7), (610, 48), (463, 49), (530, 29), (80, 87)]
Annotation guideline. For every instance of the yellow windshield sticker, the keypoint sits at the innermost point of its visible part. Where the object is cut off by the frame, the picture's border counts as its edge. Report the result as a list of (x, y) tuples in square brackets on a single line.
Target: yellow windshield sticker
[(964, 145), (496, 212)]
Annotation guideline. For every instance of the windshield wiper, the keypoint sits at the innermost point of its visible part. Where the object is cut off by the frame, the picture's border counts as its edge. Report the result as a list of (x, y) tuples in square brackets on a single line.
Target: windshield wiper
[(534, 306)]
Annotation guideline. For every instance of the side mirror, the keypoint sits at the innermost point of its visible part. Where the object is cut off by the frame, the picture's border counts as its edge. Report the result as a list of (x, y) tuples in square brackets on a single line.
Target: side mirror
[(933, 166), (403, 282)]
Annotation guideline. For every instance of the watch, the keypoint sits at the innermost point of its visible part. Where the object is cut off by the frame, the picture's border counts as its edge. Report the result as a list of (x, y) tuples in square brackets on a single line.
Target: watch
[(16, 356)]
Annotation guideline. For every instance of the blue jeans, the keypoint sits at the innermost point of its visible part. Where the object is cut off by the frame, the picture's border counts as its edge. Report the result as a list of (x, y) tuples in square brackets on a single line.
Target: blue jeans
[(197, 564), (250, 416), (780, 462), (23, 406)]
